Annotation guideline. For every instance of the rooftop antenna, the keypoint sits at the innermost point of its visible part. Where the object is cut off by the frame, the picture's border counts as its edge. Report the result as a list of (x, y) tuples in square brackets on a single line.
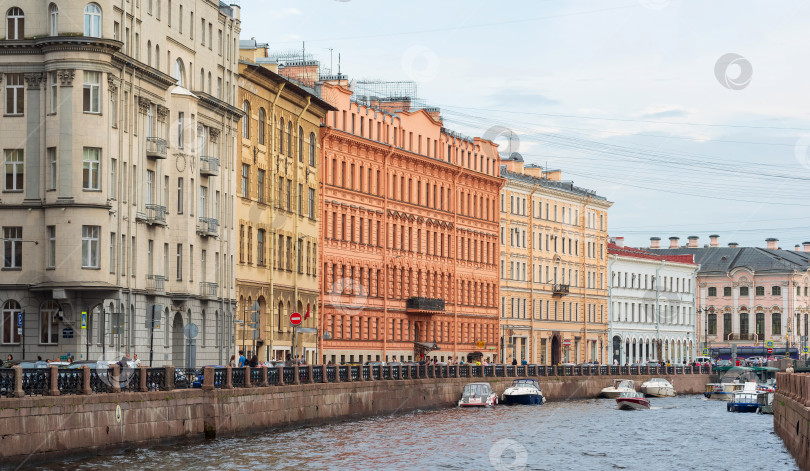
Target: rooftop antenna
[(330, 60), (303, 51), (338, 63)]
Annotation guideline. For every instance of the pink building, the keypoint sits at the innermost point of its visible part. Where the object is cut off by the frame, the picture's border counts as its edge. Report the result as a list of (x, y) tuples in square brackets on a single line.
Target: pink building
[(750, 297)]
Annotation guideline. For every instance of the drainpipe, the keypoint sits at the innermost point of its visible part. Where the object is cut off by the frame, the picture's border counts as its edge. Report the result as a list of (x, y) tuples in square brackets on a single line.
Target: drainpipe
[(658, 310), (584, 287), (274, 209), (385, 248), (532, 281), (454, 244), (611, 261), (295, 220)]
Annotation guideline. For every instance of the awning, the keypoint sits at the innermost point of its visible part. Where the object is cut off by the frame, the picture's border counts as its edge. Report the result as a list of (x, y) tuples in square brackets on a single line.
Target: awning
[(428, 347)]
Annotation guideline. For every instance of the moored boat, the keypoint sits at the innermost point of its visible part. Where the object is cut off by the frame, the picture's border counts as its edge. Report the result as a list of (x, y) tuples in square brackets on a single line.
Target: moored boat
[(658, 387), (765, 401), (618, 387), (744, 400), (478, 395), (722, 391), (632, 401), (524, 391)]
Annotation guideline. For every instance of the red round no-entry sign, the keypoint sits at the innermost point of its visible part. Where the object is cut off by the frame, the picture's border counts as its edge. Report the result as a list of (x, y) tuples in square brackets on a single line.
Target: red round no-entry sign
[(295, 318)]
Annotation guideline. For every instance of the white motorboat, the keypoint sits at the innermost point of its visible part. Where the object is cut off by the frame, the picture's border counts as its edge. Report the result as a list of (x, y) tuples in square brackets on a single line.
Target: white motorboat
[(618, 387), (524, 391), (722, 391), (478, 395), (658, 387), (632, 401)]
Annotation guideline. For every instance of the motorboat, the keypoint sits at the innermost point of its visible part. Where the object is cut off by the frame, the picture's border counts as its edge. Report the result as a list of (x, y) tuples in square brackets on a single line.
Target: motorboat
[(618, 387), (658, 387), (524, 391), (632, 401), (744, 400), (722, 391), (765, 401), (478, 395)]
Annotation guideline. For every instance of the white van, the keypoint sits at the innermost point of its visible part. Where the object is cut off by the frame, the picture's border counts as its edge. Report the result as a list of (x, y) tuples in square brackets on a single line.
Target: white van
[(704, 360)]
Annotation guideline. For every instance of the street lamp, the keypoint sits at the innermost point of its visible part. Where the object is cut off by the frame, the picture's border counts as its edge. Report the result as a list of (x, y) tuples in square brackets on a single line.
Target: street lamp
[(787, 342)]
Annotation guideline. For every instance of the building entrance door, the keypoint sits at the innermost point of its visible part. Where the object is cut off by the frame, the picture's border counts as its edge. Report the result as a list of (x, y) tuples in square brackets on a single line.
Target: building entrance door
[(555, 350)]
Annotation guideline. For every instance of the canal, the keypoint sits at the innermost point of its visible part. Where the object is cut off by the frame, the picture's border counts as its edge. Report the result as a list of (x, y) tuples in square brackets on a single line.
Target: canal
[(683, 433)]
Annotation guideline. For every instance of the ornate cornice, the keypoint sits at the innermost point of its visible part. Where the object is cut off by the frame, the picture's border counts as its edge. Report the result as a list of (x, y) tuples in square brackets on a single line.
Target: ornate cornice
[(162, 112), (34, 80), (112, 83), (143, 104), (66, 77)]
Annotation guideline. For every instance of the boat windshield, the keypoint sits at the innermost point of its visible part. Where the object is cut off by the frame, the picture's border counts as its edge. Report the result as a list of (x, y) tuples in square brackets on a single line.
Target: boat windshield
[(477, 389), (628, 394), (525, 383), (623, 383), (658, 380)]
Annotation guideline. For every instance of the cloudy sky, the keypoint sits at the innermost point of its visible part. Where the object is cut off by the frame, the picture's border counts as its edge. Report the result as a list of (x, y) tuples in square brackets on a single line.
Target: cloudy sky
[(691, 116)]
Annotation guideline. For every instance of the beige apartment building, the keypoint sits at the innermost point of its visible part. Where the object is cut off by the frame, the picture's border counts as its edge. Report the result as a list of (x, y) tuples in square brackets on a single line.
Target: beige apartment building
[(553, 267), (118, 135), (277, 209)]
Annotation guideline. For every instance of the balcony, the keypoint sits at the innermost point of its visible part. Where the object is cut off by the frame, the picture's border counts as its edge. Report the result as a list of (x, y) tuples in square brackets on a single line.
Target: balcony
[(744, 336), (209, 166), (208, 289), (156, 147), (155, 214), (156, 283), (560, 289), (208, 227), (424, 304)]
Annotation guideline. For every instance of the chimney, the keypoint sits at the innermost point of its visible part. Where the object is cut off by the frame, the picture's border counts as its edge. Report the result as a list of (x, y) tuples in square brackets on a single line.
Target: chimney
[(714, 240), (806, 246), (797, 248), (693, 242), (733, 245), (655, 242), (620, 242), (673, 242), (772, 243)]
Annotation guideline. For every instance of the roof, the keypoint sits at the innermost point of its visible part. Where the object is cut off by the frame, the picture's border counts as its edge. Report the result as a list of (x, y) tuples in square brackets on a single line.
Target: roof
[(567, 187), (614, 249), (290, 84), (725, 259)]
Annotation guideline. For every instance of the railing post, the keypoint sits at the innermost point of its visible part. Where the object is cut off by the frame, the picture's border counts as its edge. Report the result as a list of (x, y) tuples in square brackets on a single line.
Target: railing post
[(280, 369), (309, 371), (390, 370), (86, 390), (208, 378), (248, 383), (228, 378), (806, 398), (18, 376), (324, 379), (169, 377), (264, 377), (142, 383), (296, 379), (53, 372), (116, 378)]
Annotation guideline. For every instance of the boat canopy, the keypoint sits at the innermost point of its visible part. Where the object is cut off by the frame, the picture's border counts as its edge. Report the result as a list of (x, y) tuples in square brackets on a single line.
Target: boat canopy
[(526, 382), (479, 389)]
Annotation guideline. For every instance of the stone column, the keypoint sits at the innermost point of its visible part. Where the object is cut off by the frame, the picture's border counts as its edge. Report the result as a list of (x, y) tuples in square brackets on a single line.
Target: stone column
[(53, 372), (18, 390), (142, 385), (208, 378), (264, 377), (248, 383), (323, 373), (280, 375), (34, 124), (114, 377), (65, 159), (295, 375), (228, 378), (170, 377), (85, 381)]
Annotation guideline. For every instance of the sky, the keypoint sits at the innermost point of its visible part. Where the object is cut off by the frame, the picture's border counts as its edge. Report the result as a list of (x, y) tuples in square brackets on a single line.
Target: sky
[(690, 116)]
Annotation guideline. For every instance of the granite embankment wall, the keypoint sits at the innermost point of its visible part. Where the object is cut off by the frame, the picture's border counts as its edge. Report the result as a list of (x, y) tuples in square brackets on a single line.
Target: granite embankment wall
[(41, 428), (791, 415)]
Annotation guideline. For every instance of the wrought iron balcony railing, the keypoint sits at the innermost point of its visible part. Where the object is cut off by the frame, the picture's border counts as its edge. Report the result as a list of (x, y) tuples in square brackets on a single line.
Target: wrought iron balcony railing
[(209, 289), (208, 227), (560, 289), (425, 304), (156, 283), (209, 165), (156, 147), (155, 214)]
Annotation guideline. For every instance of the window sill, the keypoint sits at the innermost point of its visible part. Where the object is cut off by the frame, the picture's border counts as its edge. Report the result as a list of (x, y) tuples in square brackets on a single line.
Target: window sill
[(96, 113), (50, 268), (92, 268), (12, 191), (11, 269), (7, 115), (92, 190)]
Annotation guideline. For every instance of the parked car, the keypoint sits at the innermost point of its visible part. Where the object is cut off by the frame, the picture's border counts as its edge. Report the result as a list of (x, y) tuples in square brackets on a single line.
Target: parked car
[(704, 361), (755, 361), (723, 362)]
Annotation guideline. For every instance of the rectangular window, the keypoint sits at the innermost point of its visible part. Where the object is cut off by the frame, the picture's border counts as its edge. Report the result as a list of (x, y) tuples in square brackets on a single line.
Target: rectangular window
[(179, 262), (245, 180), (300, 198), (53, 91), (50, 255), (113, 252), (90, 168), (180, 195), (14, 170), (260, 186), (180, 118), (92, 92), (90, 246), (311, 203), (260, 247), (50, 155), (15, 93), (12, 247)]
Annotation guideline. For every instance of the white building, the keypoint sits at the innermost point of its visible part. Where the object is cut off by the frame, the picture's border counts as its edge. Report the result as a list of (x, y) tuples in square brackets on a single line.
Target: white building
[(114, 204), (651, 305)]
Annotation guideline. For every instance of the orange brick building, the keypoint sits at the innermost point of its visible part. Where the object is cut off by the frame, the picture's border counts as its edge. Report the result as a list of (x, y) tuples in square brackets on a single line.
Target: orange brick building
[(408, 235)]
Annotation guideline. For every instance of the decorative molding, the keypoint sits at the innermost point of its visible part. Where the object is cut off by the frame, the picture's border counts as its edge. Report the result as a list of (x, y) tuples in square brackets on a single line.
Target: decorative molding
[(162, 112), (66, 77), (35, 80), (143, 105), (112, 83), (213, 133)]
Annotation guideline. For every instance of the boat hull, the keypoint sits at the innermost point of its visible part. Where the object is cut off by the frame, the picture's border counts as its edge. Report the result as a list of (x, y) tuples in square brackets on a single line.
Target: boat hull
[(611, 393), (525, 399), (658, 391), (630, 403), (742, 407)]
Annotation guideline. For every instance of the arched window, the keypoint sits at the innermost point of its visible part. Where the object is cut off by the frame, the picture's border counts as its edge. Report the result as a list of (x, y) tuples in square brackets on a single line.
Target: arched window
[(712, 327), (246, 120), (180, 72), (281, 136), (203, 328), (9, 326), (53, 16), (760, 325), (149, 53), (776, 324), (280, 314), (92, 20), (312, 151), (15, 23), (202, 79), (743, 323), (289, 137), (209, 83), (48, 322), (301, 144), (157, 56), (262, 117)]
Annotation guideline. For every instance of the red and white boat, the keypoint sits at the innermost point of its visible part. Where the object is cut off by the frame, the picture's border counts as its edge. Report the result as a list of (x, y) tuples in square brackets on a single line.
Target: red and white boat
[(632, 401), (478, 395)]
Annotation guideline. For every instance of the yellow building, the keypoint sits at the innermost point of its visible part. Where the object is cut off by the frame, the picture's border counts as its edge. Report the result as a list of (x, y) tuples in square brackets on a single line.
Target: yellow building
[(276, 210), (553, 267)]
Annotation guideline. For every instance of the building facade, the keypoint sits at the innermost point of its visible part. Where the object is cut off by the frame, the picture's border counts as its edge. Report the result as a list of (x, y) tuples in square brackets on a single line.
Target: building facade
[(115, 208), (652, 305), (277, 209), (553, 265), (748, 296), (408, 234)]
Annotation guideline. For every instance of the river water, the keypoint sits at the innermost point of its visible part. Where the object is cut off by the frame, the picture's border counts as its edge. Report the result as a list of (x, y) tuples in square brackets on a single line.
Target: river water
[(683, 433)]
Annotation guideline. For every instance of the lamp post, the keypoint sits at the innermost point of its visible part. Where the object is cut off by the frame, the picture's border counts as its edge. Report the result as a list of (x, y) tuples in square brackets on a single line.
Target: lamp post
[(706, 311), (787, 342)]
